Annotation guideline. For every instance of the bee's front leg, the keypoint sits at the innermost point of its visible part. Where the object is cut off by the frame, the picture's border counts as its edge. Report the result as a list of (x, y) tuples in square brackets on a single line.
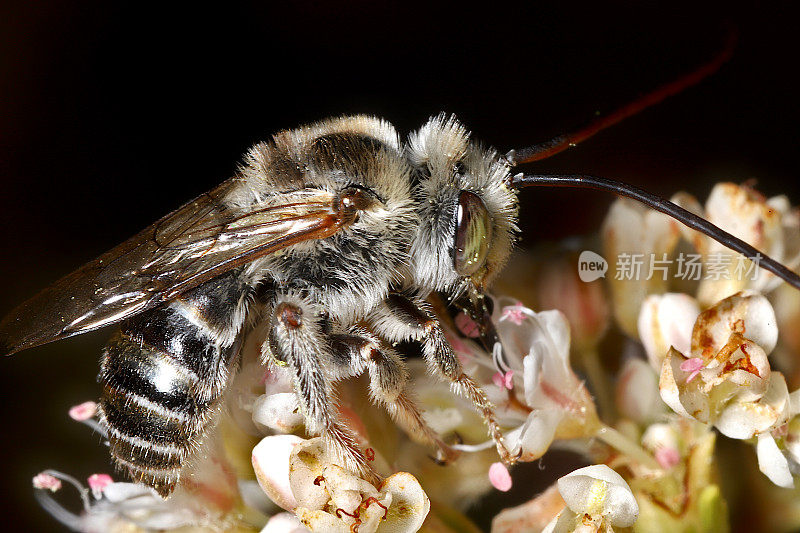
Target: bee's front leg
[(361, 350), (297, 338), (400, 318)]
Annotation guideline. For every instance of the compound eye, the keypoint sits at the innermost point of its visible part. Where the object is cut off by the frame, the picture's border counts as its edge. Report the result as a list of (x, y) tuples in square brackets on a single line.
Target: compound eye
[(473, 233)]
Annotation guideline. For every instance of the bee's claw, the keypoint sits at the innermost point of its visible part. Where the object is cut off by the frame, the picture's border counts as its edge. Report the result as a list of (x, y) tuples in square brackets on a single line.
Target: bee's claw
[(506, 456), (437, 460)]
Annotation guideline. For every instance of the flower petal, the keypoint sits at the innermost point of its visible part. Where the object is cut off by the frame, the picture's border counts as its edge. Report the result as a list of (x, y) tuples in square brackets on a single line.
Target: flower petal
[(306, 480), (746, 313), (745, 214), (599, 491), (284, 523), (141, 505), (772, 462), (531, 374), (637, 392), (745, 419), (374, 512), (319, 521), (123, 491), (346, 490), (534, 437), (563, 522), (271, 463), (530, 516), (641, 234), (667, 320), (410, 505)]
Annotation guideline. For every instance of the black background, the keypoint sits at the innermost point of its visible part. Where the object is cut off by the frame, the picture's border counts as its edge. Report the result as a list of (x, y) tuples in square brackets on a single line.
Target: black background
[(111, 116)]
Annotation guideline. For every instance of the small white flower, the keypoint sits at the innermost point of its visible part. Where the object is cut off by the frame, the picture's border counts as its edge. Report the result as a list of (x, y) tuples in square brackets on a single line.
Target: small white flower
[(536, 347), (119, 506), (328, 498), (279, 412), (746, 214), (730, 342), (663, 441), (641, 234), (727, 380), (637, 394), (597, 498)]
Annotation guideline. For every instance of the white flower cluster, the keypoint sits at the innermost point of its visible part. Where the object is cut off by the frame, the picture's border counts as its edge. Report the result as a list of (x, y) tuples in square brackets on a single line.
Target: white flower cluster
[(698, 360)]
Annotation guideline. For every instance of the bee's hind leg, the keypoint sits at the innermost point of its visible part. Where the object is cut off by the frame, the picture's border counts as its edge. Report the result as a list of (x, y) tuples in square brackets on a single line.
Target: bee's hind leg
[(297, 338), (388, 375), (401, 318)]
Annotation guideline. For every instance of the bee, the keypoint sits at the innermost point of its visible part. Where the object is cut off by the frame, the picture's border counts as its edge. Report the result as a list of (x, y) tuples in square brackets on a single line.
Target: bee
[(333, 235)]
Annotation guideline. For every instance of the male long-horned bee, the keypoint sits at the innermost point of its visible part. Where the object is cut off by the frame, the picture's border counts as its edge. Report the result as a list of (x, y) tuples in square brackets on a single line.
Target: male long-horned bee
[(334, 235)]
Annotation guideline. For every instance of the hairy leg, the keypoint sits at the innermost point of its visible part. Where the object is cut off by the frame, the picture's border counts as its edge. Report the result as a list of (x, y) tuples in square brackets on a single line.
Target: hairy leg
[(402, 318), (297, 339), (388, 374)]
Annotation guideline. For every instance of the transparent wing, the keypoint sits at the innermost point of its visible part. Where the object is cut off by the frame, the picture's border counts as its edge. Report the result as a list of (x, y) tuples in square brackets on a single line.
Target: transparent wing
[(195, 243)]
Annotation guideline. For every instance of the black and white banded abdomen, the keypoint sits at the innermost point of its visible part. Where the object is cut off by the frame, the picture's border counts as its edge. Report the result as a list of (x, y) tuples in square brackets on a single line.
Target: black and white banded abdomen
[(163, 375)]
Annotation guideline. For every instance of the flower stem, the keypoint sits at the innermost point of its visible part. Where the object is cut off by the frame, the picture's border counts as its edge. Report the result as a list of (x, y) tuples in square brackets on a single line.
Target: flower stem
[(599, 382), (626, 446)]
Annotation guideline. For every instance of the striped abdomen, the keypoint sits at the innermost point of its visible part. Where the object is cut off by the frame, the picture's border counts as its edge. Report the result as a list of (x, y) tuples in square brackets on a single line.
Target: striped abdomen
[(163, 375)]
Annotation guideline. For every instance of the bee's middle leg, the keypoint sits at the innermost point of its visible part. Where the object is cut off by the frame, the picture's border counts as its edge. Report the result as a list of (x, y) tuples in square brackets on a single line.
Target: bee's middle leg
[(297, 339), (388, 374), (401, 318)]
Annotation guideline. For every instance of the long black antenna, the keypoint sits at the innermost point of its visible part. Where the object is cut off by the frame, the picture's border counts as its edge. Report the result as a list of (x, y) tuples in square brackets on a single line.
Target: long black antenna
[(680, 214)]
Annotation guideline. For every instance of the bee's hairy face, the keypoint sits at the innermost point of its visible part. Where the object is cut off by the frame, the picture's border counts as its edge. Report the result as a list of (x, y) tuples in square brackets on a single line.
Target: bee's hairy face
[(467, 210)]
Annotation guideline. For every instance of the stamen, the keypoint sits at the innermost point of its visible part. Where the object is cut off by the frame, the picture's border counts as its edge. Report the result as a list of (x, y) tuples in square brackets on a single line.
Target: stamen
[(693, 366), (499, 477), (46, 482), (98, 483), (372, 499), (83, 412), (499, 358), (55, 509)]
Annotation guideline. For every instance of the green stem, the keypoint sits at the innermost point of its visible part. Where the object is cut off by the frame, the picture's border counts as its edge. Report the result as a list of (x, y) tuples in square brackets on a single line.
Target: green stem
[(599, 383), (626, 446)]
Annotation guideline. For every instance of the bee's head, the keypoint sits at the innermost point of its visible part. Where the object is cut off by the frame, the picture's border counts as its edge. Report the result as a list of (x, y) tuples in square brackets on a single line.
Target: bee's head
[(467, 209)]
